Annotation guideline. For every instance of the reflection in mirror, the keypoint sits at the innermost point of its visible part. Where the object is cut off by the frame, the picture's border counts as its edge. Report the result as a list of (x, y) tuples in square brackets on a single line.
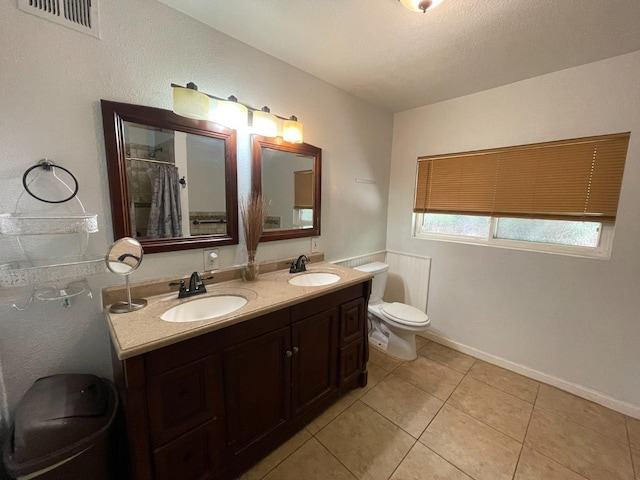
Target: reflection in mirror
[(124, 256), (289, 177), (176, 182), (172, 179)]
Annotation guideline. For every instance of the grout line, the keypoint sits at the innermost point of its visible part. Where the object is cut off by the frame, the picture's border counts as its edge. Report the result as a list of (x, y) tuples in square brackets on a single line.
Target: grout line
[(337, 459), (636, 470)]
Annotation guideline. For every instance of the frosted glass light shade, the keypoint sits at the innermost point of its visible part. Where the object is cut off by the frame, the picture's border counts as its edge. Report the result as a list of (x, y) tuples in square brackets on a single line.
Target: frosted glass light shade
[(231, 114), (420, 5), (292, 130), (190, 103), (265, 123)]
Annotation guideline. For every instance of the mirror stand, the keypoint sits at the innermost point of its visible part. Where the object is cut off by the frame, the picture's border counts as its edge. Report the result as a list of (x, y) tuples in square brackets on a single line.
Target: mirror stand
[(124, 256), (131, 305)]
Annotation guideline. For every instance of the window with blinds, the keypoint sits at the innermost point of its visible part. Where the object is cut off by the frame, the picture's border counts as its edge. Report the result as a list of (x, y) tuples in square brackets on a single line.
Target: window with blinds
[(576, 179)]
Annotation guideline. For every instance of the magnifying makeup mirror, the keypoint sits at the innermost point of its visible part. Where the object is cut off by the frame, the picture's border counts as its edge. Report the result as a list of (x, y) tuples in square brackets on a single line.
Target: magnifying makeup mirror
[(124, 256)]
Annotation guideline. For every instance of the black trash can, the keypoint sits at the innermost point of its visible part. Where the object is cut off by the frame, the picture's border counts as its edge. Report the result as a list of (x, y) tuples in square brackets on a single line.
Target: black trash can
[(62, 430)]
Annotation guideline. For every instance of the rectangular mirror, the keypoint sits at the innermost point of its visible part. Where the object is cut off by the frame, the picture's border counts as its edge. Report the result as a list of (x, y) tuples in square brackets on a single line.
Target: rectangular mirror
[(288, 175), (172, 180)]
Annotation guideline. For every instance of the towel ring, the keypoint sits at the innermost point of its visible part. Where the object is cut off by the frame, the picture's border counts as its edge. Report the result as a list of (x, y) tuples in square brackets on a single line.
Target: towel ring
[(48, 165)]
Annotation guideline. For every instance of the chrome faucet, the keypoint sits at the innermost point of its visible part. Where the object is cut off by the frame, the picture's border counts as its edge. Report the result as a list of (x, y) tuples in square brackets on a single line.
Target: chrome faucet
[(196, 285), (299, 265)]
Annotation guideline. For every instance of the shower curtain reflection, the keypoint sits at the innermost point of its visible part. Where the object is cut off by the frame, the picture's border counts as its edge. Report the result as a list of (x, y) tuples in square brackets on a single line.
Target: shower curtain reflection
[(165, 215)]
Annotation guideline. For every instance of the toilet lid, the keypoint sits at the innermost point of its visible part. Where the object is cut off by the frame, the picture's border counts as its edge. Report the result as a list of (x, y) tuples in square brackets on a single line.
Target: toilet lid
[(404, 314)]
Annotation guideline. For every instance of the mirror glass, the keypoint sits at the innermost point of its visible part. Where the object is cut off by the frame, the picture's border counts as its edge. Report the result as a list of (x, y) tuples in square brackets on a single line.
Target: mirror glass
[(173, 180), (124, 256), (289, 177)]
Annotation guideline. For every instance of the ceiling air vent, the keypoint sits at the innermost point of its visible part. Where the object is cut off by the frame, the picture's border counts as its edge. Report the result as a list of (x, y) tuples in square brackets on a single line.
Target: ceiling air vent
[(79, 15)]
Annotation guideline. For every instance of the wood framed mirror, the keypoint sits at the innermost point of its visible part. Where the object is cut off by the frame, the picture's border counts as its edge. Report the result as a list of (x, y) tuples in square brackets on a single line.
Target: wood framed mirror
[(172, 180), (289, 177)]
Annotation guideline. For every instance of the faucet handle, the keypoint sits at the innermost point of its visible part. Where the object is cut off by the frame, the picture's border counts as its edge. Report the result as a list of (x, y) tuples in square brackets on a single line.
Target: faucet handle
[(180, 283)]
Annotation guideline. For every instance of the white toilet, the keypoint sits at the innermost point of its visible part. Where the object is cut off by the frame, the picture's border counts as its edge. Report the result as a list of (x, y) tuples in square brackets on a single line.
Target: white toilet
[(393, 325)]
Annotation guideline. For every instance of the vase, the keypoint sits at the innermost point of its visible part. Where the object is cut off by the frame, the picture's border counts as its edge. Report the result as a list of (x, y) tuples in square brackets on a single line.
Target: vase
[(250, 270)]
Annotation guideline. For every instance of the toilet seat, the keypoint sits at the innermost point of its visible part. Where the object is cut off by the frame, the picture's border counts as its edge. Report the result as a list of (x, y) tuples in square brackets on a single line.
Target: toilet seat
[(404, 314)]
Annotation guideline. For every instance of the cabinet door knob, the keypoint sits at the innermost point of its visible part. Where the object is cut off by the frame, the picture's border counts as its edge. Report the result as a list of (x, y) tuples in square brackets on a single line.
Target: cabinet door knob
[(289, 353), (295, 349)]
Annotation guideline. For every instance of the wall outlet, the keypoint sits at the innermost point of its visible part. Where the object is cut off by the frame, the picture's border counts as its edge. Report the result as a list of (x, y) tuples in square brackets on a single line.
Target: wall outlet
[(315, 245), (211, 259)]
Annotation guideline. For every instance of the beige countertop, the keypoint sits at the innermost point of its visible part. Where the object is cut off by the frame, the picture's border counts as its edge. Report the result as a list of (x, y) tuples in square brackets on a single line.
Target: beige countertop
[(142, 331)]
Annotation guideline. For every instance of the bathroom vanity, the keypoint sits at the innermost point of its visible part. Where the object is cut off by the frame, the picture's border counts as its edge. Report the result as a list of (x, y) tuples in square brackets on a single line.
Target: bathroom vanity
[(207, 399)]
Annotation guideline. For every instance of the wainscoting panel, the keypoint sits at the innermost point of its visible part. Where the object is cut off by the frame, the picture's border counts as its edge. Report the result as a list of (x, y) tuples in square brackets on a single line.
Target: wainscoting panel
[(408, 279), (362, 259)]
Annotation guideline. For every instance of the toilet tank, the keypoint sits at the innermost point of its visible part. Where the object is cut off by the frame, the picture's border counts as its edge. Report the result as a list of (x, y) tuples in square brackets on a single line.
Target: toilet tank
[(379, 271)]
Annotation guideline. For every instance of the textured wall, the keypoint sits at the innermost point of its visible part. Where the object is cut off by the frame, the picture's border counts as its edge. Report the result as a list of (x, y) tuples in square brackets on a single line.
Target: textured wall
[(573, 321), (52, 80)]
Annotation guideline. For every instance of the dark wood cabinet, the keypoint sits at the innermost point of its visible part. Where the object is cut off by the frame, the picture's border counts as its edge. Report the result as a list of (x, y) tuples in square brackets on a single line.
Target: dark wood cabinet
[(314, 360), (257, 388), (210, 406)]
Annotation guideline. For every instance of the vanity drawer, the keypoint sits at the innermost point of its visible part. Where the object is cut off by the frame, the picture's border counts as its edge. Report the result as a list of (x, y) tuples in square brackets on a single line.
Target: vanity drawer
[(352, 318), (350, 365), (192, 456), (183, 398)]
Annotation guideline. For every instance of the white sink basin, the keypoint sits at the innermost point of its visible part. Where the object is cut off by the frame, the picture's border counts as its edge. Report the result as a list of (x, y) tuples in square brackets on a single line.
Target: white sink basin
[(204, 308), (314, 279)]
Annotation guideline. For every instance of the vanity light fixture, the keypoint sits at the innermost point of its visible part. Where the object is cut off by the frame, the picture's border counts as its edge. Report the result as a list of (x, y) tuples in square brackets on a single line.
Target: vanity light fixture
[(292, 130), (189, 102), (231, 113), (264, 123), (234, 114), (420, 5)]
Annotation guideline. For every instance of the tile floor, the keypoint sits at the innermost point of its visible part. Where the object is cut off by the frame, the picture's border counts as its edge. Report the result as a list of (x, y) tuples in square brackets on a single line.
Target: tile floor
[(448, 416)]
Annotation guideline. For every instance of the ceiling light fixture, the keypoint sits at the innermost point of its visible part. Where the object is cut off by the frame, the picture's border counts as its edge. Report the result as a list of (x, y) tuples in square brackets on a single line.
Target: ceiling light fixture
[(420, 5), (189, 102)]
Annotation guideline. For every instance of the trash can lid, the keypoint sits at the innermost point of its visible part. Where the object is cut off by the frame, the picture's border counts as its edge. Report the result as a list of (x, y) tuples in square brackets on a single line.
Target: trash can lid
[(61, 415)]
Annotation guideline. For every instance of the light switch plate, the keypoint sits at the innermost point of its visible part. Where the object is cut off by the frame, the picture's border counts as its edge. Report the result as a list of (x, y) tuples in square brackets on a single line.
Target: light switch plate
[(211, 259), (315, 245)]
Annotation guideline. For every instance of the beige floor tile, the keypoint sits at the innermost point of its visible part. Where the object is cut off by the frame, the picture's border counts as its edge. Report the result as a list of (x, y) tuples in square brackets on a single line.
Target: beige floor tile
[(368, 444), (375, 374), (421, 342), (633, 426), (535, 466), (404, 404), (475, 448), (430, 376), (310, 462), (582, 450), (584, 412), (269, 462), (383, 360), (423, 464), (522, 387), (447, 356), (498, 409), (330, 413)]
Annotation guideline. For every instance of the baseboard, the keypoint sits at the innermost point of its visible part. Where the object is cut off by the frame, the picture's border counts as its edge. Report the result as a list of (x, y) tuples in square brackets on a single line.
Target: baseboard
[(578, 390)]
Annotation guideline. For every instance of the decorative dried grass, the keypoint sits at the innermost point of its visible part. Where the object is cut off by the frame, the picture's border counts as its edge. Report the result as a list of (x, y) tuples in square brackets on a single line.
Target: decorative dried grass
[(253, 212)]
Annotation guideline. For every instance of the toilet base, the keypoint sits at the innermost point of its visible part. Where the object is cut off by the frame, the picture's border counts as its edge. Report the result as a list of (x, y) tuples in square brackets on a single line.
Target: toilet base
[(379, 340), (400, 344)]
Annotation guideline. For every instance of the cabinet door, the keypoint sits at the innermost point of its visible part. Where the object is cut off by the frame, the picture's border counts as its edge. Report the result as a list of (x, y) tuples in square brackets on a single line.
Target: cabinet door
[(185, 397), (314, 346), (257, 388)]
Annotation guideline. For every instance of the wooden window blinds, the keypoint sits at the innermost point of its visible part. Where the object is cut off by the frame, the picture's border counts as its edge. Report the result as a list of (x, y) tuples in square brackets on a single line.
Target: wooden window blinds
[(576, 179)]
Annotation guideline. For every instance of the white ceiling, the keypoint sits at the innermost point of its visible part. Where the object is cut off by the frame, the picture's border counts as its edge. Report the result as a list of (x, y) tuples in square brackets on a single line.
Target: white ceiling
[(379, 51)]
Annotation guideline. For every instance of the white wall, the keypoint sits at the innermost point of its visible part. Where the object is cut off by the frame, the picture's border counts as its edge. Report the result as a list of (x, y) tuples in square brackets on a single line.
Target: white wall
[(52, 80), (564, 319)]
